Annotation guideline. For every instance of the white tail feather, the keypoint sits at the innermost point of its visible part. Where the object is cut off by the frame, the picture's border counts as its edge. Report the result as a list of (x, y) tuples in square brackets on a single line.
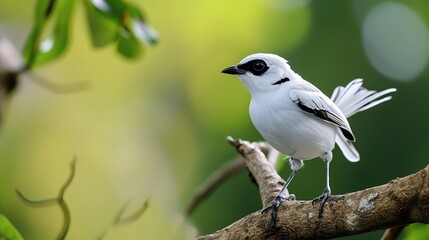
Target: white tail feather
[(353, 99), (347, 147)]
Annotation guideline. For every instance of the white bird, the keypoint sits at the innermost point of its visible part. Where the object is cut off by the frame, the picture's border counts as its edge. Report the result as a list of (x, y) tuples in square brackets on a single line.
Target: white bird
[(297, 119)]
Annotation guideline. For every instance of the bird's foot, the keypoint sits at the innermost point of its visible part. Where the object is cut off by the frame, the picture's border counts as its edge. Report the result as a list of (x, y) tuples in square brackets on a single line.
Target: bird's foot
[(275, 205), (322, 199)]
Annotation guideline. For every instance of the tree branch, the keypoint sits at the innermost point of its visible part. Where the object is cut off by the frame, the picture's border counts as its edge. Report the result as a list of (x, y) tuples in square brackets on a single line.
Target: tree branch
[(401, 201), (267, 178), (228, 170)]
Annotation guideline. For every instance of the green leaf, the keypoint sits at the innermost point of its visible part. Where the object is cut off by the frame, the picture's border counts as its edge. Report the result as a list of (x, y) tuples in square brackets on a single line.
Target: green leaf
[(129, 46), (102, 30), (110, 21), (37, 52), (103, 20), (7, 230), (119, 22), (56, 44), (140, 28), (113, 9), (41, 13), (144, 32)]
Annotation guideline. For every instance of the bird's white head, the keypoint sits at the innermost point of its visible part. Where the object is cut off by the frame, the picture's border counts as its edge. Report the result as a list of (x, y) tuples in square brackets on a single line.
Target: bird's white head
[(262, 72)]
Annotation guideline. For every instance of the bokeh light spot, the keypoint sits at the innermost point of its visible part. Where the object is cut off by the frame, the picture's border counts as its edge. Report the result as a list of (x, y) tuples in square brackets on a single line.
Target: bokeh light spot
[(396, 41)]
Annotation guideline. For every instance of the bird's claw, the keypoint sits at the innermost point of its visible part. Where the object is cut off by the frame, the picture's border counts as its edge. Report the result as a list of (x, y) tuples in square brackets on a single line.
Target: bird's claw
[(322, 199), (275, 205)]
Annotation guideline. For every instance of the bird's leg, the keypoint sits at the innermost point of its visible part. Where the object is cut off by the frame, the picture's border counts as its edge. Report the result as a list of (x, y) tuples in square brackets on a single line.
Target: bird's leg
[(295, 165), (279, 199), (327, 192)]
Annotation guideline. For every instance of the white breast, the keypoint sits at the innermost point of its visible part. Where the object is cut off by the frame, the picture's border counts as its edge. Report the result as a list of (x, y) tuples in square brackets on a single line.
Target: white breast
[(289, 129)]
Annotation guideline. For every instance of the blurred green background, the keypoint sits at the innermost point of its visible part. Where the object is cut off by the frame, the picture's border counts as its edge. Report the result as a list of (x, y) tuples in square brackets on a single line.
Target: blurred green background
[(156, 127)]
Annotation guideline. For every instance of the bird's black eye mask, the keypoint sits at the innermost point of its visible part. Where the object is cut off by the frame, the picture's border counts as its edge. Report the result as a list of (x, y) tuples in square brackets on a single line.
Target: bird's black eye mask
[(257, 67)]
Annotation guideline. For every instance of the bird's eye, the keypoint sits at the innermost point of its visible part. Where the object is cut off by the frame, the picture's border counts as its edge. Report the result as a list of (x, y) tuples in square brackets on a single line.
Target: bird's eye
[(259, 66)]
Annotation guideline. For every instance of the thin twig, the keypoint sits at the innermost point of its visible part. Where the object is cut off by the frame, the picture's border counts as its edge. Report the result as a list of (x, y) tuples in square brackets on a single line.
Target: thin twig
[(393, 232), (63, 205), (121, 220), (53, 201), (215, 180), (57, 87), (36, 203)]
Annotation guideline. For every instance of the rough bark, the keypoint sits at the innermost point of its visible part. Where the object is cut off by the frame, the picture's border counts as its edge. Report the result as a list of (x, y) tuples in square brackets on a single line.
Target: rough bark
[(401, 201), (225, 172)]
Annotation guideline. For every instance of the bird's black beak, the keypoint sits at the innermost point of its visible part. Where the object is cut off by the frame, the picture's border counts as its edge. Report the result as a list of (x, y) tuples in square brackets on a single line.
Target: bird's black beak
[(233, 70)]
